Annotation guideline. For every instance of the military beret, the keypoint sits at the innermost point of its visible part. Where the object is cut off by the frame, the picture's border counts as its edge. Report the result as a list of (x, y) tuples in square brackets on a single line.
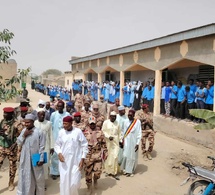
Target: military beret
[(24, 109), (8, 109), (68, 119), (77, 114)]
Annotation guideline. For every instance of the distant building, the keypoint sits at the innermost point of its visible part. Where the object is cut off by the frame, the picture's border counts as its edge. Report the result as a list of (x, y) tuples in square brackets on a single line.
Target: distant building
[(7, 71)]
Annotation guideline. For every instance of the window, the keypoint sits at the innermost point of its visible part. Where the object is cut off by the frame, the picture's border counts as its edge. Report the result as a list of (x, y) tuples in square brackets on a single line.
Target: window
[(107, 76), (90, 77), (128, 76), (67, 81)]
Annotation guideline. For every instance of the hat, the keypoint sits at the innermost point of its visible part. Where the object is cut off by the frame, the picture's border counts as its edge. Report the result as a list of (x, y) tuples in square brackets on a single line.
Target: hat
[(40, 110), (77, 114), (30, 117), (68, 119), (132, 111), (42, 102), (8, 109), (95, 106), (92, 119), (23, 100), (61, 101), (113, 113), (144, 106), (24, 109), (87, 101), (102, 96), (69, 103), (58, 95), (121, 108)]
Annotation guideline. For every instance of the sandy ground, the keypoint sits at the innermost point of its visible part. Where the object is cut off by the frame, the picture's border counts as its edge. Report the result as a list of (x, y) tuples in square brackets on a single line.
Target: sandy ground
[(162, 175)]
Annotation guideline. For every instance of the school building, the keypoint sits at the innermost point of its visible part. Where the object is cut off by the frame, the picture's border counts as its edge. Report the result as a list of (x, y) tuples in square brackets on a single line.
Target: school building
[(180, 56)]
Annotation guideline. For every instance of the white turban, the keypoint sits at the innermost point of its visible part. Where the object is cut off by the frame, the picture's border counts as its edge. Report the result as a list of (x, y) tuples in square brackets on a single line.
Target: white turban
[(40, 109), (42, 102)]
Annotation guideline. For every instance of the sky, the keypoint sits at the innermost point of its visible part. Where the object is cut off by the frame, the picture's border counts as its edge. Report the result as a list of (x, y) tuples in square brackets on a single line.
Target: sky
[(49, 32)]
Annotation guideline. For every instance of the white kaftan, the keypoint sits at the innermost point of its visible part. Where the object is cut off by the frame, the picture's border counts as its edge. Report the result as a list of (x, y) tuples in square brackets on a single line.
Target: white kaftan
[(130, 157), (121, 120), (73, 146), (57, 124), (46, 127), (112, 130), (31, 178)]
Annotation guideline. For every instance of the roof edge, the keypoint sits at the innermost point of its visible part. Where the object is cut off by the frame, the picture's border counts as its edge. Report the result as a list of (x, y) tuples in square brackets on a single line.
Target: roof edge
[(196, 32)]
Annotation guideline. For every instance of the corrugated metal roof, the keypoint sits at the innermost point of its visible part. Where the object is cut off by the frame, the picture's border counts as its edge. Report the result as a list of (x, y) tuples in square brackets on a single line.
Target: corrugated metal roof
[(176, 37)]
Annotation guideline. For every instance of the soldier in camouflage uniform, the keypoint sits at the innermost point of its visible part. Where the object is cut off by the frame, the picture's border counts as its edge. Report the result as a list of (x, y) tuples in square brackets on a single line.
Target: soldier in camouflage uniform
[(97, 153), (23, 103), (85, 114), (79, 101), (88, 97), (21, 125), (103, 106), (99, 117), (146, 119), (77, 121), (8, 146)]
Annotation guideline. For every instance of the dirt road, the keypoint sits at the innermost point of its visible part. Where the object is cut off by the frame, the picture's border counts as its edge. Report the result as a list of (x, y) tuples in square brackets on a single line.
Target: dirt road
[(160, 176)]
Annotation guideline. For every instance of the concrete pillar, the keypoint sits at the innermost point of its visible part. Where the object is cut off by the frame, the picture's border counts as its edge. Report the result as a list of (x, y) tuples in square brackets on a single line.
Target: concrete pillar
[(99, 81), (122, 80), (158, 80), (84, 77)]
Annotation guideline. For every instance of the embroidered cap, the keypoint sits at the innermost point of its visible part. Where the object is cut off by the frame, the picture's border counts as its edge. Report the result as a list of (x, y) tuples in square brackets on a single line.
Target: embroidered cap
[(113, 113)]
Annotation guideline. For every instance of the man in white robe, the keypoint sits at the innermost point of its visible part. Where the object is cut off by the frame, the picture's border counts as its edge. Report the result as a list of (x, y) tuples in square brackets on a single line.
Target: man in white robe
[(71, 147), (46, 127), (131, 139), (57, 125), (32, 140), (120, 118), (112, 134)]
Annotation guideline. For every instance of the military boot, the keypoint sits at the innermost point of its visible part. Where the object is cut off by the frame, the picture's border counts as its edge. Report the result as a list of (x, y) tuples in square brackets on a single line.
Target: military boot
[(145, 156), (11, 185), (95, 183), (89, 189), (149, 156)]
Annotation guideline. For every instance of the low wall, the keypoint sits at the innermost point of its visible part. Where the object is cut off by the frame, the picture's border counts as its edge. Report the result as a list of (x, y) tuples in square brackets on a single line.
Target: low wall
[(184, 130)]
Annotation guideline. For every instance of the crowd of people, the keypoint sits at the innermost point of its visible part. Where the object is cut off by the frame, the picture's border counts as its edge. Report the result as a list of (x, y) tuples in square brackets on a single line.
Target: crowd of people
[(60, 138), (176, 98)]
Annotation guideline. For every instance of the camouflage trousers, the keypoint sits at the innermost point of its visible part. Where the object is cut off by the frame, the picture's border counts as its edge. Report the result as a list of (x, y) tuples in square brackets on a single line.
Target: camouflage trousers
[(12, 157), (78, 107), (93, 169), (150, 136)]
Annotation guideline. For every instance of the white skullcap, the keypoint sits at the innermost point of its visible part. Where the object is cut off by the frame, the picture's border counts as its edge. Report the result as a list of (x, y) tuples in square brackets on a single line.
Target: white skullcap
[(42, 102), (113, 113), (30, 117), (40, 109), (121, 108)]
